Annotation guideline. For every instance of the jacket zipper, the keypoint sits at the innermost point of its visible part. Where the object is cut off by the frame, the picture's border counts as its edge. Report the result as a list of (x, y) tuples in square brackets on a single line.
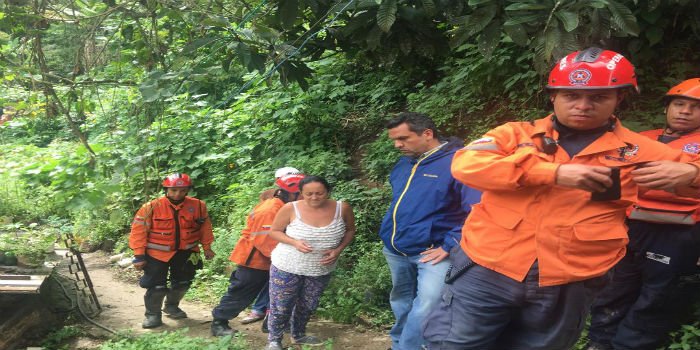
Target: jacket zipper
[(176, 213), (398, 201)]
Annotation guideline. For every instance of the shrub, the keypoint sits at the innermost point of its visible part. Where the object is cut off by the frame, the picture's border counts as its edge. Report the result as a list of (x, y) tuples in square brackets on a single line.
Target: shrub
[(176, 340)]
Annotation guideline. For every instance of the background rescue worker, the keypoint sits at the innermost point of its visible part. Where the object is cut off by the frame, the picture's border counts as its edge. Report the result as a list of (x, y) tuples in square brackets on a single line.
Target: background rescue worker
[(262, 301), (551, 220), (636, 310), (165, 235), (252, 255), (422, 224)]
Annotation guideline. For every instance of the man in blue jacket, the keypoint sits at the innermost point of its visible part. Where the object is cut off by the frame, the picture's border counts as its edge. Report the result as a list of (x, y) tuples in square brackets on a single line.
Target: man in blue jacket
[(423, 223)]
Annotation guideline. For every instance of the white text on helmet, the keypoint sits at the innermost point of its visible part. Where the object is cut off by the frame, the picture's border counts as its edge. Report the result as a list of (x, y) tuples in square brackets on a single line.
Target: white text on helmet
[(562, 63), (613, 61)]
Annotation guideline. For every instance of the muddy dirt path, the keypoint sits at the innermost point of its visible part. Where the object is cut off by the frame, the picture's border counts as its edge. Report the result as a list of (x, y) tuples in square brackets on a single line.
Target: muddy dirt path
[(122, 303)]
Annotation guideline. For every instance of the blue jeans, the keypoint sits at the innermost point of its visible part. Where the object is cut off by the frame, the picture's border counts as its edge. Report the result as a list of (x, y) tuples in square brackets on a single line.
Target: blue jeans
[(416, 291), (262, 301)]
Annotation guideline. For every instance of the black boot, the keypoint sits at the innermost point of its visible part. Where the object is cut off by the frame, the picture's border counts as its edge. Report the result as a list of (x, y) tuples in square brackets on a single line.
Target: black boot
[(220, 328), (172, 301), (153, 300)]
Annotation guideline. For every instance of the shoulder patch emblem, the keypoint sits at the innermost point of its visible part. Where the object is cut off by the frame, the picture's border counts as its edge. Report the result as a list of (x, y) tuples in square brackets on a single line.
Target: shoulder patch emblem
[(692, 147), (190, 209), (631, 150)]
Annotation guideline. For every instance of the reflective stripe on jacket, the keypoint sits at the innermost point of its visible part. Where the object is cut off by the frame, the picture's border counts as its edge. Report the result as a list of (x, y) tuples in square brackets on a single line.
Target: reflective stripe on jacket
[(661, 206), (255, 245), (524, 215), (155, 231)]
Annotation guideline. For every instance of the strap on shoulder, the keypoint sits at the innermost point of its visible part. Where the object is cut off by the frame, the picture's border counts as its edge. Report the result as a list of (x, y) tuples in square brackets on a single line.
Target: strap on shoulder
[(296, 210), (338, 209)]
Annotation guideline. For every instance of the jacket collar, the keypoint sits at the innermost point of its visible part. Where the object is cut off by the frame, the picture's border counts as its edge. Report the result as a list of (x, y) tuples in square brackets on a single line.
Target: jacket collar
[(612, 140)]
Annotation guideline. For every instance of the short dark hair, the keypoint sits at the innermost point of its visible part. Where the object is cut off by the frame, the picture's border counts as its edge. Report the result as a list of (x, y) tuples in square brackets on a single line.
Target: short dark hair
[(417, 123), (312, 178)]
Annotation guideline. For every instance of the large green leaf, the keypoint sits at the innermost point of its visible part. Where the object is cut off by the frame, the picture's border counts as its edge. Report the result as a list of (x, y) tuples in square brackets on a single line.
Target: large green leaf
[(517, 33), (373, 38), (196, 44), (623, 18), (551, 39), (149, 93), (363, 5), (216, 21), (526, 19), (519, 6), (478, 2), (489, 39), (653, 4), (386, 16), (568, 19), (469, 25), (654, 35), (429, 7), (287, 12)]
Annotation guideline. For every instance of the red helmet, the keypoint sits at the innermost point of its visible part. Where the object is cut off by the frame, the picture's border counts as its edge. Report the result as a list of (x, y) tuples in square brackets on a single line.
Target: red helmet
[(177, 180), (290, 183), (593, 68), (689, 88)]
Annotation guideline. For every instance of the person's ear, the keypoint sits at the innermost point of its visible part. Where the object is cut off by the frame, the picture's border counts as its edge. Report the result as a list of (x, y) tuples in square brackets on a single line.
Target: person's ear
[(621, 94)]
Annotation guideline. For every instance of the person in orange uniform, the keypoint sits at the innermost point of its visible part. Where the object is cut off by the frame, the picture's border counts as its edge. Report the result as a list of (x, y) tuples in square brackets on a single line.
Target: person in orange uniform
[(165, 235), (636, 310), (550, 224), (252, 255)]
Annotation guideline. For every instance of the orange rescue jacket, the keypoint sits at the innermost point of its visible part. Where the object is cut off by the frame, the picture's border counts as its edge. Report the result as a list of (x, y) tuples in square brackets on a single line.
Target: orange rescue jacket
[(524, 216), (661, 206), (255, 245), (156, 232)]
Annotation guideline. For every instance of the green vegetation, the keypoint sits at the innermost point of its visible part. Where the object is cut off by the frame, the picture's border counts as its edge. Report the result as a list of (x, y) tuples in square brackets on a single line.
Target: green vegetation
[(175, 340), (103, 98), (58, 339)]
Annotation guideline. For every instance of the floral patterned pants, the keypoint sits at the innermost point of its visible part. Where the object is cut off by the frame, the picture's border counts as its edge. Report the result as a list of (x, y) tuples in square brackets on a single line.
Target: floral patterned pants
[(293, 296)]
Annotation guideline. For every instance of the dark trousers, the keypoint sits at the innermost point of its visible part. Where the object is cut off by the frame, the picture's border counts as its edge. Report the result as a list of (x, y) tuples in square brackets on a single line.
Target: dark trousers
[(483, 309), (181, 268), (244, 285), (641, 304)]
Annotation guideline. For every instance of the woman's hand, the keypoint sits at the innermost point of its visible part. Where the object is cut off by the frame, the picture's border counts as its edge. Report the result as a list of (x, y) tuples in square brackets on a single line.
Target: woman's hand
[(330, 256), (302, 246)]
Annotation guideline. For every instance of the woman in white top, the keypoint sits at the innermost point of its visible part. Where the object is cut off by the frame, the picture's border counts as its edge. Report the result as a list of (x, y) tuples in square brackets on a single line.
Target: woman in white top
[(312, 233)]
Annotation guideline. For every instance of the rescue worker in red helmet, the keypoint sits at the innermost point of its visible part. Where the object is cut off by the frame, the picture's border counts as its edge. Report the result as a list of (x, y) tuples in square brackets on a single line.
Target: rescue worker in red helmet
[(636, 310), (165, 236), (252, 256), (550, 224)]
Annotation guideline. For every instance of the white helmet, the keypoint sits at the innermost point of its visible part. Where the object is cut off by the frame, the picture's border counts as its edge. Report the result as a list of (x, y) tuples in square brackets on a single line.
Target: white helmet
[(286, 171)]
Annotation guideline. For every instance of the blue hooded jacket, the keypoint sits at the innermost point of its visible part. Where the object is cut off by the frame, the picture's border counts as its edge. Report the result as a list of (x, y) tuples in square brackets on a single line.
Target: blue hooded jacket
[(428, 205)]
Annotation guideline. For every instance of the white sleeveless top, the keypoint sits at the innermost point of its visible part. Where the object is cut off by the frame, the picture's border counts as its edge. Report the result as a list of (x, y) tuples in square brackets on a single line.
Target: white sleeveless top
[(287, 258)]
